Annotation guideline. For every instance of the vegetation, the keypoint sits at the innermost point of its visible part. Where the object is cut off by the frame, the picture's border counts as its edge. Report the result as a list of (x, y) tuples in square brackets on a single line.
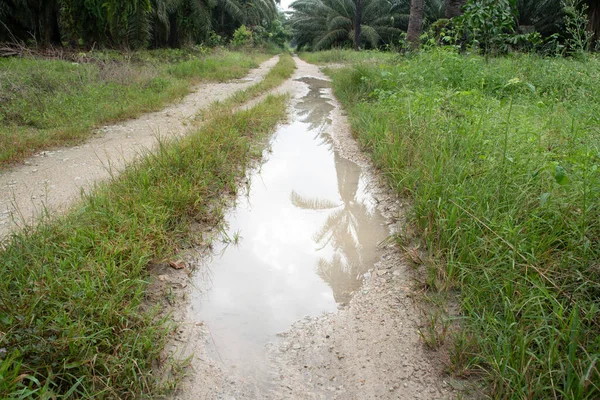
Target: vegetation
[(131, 23), (72, 317), (500, 158), (48, 103), (490, 26)]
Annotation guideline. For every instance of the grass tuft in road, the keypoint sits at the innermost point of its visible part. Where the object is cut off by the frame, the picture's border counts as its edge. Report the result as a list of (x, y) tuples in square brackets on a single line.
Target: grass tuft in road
[(72, 318), (282, 71), (501, 160)]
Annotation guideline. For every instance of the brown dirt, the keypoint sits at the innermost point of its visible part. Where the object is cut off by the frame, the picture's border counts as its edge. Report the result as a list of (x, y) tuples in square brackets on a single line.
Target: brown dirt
[(52, 180)]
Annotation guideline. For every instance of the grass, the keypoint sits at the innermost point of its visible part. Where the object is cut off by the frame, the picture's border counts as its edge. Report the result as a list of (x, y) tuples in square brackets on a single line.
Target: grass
[(73, 323), (500, 159), (279, 73), (339, 56), (48, 103)]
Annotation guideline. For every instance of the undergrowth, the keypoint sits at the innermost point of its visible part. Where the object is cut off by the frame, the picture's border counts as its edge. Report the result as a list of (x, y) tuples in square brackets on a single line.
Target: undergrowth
[(72, 320), (500, 159), (47, 103), (347, 56)]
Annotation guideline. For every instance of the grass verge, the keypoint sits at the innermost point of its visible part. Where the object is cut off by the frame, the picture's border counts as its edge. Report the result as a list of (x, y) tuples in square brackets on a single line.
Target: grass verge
[(501, 161), (47, 103), (72, 321), (339, 56), (276, 76)]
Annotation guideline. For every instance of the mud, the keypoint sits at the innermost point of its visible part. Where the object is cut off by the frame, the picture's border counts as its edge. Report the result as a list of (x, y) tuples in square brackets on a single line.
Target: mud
[(51, 180), (307, 305)]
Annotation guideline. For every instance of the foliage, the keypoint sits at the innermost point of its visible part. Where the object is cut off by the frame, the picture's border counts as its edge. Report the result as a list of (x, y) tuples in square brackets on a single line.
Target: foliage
[(500, 158), (487, 23), (576, 26), (241, 37), (322, 24), (130, 23)]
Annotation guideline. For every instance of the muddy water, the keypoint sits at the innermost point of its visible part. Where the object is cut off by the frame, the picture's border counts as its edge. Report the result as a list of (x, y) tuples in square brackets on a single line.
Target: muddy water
[(298, 242)]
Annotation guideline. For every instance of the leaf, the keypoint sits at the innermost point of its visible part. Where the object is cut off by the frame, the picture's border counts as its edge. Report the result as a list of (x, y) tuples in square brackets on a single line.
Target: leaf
[(560, 174), (544, 198), (177, 265)]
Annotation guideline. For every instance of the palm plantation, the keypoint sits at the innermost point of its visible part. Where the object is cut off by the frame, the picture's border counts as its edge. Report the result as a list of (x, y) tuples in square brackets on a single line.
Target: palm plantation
[(131, 23), (323, 24)]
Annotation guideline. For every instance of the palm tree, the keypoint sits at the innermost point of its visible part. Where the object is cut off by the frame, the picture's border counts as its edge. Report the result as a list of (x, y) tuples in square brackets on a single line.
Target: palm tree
[(545, 16), (454, 8), (30, 19), (432, 11), (415, 24), (322, 24)]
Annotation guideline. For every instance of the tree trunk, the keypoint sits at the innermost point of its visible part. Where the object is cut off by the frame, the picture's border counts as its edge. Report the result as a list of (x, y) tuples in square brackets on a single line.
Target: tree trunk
[(51, 27), (357, 22), (415, 24), (454, 8), (594, 21), (173, 30)]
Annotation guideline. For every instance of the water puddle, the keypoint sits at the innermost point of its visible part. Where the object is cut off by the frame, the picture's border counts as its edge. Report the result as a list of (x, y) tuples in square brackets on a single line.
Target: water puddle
[(306, 232)]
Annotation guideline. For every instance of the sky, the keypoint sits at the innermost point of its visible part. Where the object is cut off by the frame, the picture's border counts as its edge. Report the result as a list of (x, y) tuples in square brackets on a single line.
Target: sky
[(285, 5)]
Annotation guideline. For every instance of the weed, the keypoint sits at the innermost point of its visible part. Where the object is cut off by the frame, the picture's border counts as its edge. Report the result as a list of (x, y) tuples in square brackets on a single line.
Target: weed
[(435, 331), (500, 159), (347, 56)]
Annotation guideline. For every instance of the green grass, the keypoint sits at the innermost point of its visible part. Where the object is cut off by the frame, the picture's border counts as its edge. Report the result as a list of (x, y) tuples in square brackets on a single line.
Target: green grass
[(73, 321), (48, 103), (501, 162), (339, 56), (279, 73)]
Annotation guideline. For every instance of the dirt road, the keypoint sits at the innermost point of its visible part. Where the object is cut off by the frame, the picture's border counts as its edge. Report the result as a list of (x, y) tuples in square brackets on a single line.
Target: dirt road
[(52, 180), (308, 253)]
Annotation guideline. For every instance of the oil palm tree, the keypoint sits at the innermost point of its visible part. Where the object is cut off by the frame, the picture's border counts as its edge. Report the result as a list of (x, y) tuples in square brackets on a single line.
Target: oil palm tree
[(322, 24), (545, 16), (415, 23), (454, 8)]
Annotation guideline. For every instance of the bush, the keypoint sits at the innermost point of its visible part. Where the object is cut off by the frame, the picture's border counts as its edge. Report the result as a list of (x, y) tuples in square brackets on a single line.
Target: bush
[(242, 37)]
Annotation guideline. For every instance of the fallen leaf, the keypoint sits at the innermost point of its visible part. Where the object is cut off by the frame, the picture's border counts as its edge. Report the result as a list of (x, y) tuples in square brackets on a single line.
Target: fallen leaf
[(177, 265)]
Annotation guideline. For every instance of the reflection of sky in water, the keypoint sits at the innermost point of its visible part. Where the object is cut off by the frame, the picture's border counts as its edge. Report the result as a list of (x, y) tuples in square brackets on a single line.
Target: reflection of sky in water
[(279, 272)]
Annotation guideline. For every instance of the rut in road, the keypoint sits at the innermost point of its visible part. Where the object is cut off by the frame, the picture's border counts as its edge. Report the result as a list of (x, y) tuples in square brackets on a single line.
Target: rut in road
[(299, 301), (51, 181)]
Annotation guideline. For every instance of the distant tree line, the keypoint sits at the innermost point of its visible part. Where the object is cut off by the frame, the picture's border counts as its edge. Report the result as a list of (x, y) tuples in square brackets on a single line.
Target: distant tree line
[(491, 25), (131, 23)]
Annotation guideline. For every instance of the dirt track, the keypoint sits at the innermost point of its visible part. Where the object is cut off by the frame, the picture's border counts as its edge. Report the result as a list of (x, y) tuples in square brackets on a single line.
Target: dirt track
[(52, 180), (368, 349)]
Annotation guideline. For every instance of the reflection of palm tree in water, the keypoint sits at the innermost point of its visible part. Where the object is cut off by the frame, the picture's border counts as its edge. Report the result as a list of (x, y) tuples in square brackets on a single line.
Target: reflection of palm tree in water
[(351, 230), (314, 108)]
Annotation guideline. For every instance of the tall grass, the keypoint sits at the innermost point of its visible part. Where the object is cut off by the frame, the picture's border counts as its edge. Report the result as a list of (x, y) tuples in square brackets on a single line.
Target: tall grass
[(347, 56), (46, 103), (501, 161), (72, 318)]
